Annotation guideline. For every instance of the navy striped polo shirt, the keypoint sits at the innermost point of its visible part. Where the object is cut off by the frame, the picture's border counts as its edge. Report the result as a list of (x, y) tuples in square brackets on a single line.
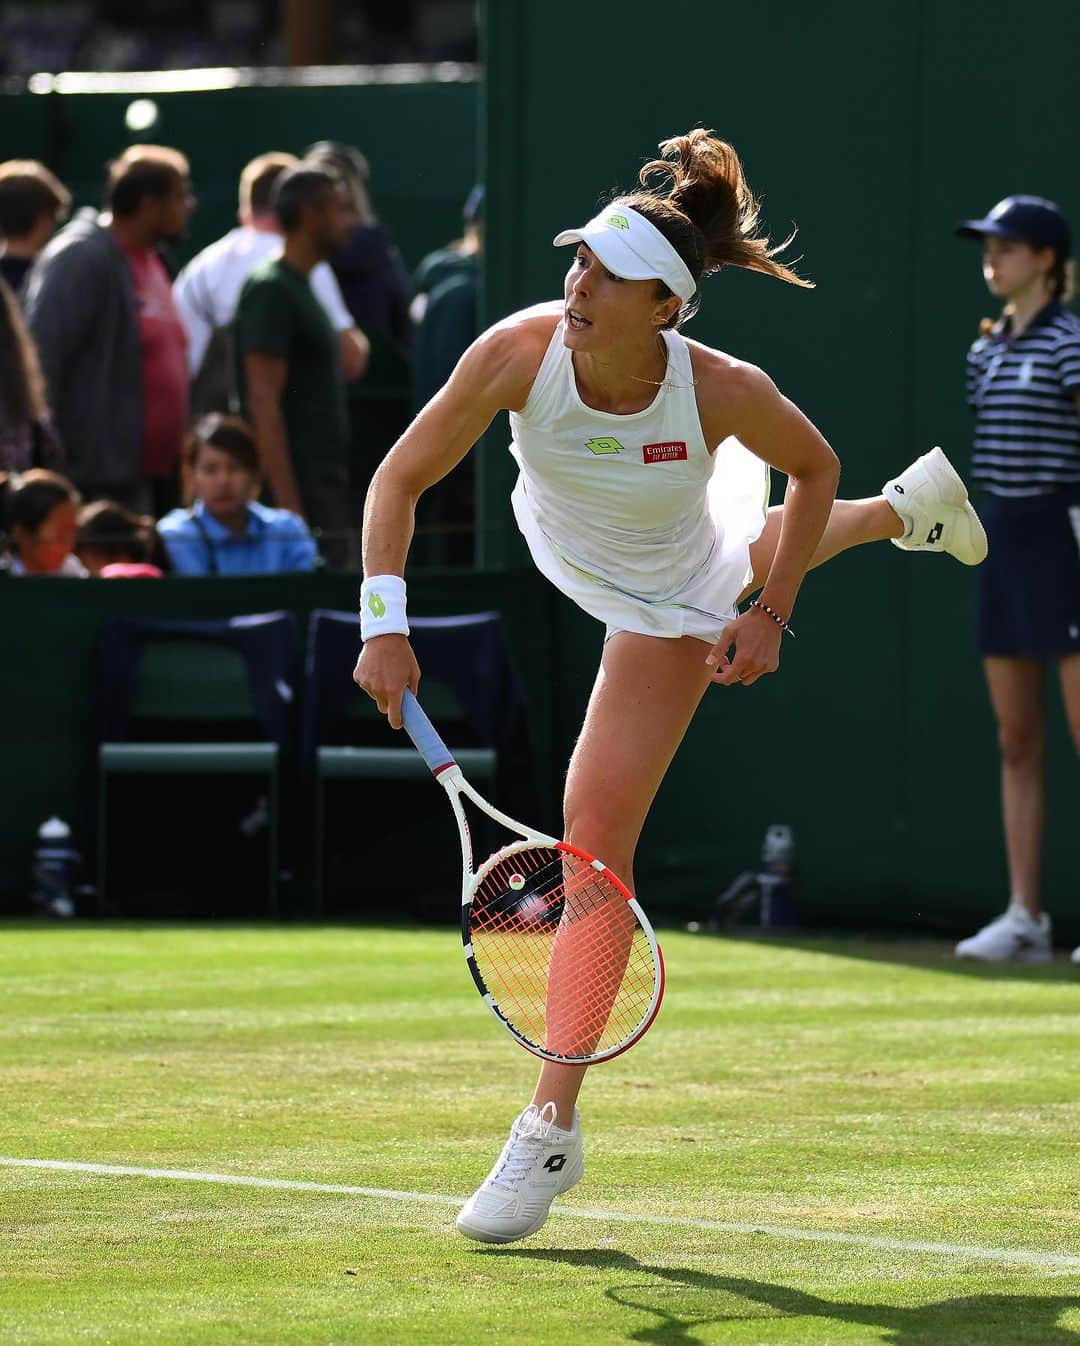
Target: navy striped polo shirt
[(1023, 393)]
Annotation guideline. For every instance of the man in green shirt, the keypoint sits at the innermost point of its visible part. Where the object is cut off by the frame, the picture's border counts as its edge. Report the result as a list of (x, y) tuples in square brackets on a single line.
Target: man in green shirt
[(289, 367)]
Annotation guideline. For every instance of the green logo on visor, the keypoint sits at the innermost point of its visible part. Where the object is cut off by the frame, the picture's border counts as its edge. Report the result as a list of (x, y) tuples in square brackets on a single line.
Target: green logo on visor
[(376, 606), (603, 445), (617, 222)]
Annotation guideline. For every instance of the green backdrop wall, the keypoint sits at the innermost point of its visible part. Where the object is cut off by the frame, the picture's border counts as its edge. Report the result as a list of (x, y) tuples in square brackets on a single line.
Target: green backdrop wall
[(874, 131)]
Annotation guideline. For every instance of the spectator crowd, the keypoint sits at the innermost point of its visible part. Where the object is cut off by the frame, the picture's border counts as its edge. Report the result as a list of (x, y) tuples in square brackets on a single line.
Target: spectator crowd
[(226, 420)]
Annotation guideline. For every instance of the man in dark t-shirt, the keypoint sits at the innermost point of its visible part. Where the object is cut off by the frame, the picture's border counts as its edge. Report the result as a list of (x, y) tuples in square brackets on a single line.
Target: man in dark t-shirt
[(289, 367)]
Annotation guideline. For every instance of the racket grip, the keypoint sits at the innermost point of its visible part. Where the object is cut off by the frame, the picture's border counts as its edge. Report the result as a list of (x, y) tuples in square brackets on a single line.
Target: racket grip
[(424, 734)]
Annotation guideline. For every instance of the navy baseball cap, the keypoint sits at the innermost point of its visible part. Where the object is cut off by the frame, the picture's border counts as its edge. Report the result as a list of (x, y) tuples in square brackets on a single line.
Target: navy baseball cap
[(1031, 219)]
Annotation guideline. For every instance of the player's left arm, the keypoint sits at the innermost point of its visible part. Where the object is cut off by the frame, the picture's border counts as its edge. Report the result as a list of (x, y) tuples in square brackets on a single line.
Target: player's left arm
[(771, 426)]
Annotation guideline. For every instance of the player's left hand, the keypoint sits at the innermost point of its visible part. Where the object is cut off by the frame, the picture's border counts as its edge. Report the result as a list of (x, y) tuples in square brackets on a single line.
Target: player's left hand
[(756, 640)]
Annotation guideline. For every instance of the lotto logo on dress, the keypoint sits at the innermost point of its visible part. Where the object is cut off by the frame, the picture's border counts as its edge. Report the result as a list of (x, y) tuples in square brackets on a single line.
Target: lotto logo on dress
[(673, 451)]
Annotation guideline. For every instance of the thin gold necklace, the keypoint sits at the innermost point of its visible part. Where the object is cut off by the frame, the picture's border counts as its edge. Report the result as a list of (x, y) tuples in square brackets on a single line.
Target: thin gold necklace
[(655, 383)]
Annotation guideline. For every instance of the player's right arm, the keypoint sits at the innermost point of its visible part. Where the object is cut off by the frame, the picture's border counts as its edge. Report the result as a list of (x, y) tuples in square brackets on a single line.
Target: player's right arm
[(495, 374)]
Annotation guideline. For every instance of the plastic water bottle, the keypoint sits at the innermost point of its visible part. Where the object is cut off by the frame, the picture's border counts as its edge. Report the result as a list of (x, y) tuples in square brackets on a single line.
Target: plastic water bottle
[(55, 865)]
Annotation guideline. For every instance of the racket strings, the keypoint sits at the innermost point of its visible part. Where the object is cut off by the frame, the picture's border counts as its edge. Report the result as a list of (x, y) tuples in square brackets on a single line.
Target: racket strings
[(562, 952)]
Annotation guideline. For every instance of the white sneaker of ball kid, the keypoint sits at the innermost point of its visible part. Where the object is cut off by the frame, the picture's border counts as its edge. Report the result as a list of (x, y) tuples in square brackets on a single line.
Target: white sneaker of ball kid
[(1015, 937), (537, 1163), (933, 504)]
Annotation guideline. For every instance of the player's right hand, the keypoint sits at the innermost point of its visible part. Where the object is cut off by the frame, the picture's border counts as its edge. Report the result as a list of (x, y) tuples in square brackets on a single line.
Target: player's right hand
[(385, 668)]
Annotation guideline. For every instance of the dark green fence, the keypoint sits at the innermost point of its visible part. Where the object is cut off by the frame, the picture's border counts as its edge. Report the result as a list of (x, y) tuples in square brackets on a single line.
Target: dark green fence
[(873, 130), (48, 692)]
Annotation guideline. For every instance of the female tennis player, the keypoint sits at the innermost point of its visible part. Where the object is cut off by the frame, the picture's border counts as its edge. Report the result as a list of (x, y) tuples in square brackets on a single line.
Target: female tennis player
[(632, 508)]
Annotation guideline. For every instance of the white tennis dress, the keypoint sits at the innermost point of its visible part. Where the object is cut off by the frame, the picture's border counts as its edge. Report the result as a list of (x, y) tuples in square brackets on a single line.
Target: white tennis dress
[(631, 516)]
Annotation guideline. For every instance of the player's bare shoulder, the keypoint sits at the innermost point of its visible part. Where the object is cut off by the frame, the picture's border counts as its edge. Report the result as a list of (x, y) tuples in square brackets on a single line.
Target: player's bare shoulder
[(506, 358), (717, 374), (729, 391)]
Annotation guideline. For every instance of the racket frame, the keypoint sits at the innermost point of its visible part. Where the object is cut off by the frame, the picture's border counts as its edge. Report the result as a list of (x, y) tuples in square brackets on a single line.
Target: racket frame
[(450, 776)]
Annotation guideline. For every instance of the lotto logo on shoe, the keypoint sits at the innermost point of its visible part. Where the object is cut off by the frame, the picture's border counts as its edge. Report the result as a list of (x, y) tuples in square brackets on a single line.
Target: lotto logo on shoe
[(671, 452), (556, 1163)]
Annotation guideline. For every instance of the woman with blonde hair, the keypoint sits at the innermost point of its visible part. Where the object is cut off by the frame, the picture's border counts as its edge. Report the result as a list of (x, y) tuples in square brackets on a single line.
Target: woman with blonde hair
[(642, 495)]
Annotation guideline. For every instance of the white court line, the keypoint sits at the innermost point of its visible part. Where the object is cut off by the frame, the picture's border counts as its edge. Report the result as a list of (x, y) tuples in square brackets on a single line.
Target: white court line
[(1018, 1256)]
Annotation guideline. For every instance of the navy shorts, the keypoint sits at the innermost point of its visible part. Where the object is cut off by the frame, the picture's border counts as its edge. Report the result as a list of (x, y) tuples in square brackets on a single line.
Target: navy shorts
[(1029, 594)]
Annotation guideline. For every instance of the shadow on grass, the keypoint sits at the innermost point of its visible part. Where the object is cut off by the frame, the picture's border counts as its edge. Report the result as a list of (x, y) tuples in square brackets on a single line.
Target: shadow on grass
[(927, 954), (681, 1299)]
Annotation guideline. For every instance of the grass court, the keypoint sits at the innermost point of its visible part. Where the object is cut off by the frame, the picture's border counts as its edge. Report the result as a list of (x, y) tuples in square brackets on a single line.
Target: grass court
[(766, 1168)]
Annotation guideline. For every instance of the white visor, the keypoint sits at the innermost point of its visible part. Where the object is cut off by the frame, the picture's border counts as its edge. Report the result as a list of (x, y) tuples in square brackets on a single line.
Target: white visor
[(630, 247)]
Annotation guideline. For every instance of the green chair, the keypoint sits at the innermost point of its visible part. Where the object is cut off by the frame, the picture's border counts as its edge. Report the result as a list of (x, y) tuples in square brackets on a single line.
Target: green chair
[(182, 681), (335, 709)]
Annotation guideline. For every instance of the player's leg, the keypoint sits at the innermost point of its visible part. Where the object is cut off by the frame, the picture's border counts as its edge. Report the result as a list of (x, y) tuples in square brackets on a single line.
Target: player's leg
[(642, 702), (925, 508), (644, 697), (1018, 696), (851, 524)]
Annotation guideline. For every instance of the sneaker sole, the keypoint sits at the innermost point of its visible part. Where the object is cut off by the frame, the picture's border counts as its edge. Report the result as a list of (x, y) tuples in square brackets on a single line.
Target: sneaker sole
[(969, 543), (480, 1233), (1020, 956)]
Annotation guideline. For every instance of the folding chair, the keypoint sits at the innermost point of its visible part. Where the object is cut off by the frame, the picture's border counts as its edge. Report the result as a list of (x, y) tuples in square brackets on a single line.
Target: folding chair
[(468, 688), (166, 678)]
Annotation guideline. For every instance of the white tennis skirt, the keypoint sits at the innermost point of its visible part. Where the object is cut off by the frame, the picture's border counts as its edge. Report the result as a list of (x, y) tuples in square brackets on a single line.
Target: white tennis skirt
[(738, 497)]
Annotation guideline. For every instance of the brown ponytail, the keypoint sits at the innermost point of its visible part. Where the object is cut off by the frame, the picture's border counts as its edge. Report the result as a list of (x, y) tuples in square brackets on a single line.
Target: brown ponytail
[(698, 197)]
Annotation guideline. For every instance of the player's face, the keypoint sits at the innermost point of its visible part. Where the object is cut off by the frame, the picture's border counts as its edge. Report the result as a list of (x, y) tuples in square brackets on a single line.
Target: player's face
[(603, 310), (43, 552), (1011, 267), (221, 483)]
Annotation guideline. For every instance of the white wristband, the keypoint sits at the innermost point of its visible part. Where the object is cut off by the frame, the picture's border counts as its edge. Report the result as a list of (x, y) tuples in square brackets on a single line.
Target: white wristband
[(382, 607)]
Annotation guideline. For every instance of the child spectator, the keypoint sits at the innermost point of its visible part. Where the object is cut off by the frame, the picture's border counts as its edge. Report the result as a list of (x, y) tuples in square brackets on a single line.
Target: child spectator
[(226, 531), (113, 542), (39, 514)]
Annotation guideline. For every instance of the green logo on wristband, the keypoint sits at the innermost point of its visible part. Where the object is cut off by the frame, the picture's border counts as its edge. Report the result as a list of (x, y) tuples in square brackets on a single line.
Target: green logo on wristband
[(376, 606)]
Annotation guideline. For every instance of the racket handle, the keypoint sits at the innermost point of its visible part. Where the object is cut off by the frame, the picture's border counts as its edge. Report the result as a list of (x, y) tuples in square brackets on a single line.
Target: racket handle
[(424, 734)]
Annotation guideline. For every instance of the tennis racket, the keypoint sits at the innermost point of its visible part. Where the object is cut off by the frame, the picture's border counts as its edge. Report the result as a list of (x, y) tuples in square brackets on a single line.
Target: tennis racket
[(557, 946)]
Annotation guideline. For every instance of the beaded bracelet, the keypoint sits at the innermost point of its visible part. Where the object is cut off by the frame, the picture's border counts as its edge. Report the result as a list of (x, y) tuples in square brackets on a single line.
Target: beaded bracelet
[(771, 612)]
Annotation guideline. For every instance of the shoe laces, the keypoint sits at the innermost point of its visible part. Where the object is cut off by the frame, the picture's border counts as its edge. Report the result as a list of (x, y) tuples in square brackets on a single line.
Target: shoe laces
[(527, 1137)]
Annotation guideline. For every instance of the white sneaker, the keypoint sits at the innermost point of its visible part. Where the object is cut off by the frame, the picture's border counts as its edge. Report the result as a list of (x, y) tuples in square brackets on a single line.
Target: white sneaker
[(538, 1162), (933, 503), (1075, 955), (1014, 937)]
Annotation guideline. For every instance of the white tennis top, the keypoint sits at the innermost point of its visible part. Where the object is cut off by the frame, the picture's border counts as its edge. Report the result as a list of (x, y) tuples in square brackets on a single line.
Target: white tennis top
[(631, 516)]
